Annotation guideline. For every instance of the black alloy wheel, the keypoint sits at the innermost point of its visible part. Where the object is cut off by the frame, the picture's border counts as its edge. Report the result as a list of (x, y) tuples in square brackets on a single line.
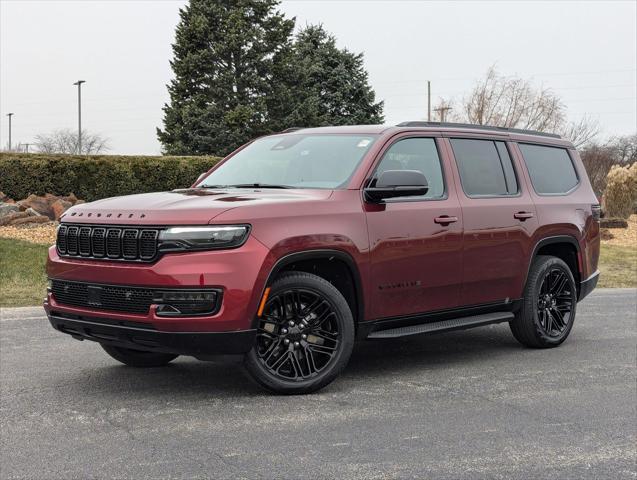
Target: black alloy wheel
[(298, 334), (555, 302), (304, 336), (549, 304)]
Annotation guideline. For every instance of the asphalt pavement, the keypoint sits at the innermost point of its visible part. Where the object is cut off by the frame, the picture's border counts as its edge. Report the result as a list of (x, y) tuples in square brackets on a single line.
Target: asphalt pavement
[(469, 404)]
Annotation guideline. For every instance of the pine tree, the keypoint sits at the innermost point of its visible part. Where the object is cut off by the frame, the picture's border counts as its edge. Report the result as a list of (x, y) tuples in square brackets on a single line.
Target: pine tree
[(227, 58), (330, 85)]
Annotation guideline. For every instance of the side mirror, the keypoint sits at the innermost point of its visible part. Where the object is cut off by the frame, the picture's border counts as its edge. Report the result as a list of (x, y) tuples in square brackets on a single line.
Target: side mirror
[(397, 183)]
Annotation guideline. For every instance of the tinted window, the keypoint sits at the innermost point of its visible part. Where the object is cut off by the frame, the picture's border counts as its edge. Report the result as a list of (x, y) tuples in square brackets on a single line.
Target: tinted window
[(550, 168), (294, 160), (416, 154), (485, 167)]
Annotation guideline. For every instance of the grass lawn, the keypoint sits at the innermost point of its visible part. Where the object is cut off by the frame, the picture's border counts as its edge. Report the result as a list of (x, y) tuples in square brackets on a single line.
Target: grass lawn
[(23, 281), (618, 266), (22, 277)]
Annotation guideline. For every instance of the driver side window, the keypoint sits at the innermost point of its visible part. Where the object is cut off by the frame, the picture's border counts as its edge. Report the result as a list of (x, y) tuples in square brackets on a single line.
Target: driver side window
[(418, 154)]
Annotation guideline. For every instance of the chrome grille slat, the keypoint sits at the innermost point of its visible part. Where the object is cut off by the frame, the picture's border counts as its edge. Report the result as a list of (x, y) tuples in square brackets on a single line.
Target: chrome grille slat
[(108, 243)]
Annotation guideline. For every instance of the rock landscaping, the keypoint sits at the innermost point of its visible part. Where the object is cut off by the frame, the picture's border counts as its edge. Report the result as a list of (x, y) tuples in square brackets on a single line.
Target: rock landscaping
[(34, 209)]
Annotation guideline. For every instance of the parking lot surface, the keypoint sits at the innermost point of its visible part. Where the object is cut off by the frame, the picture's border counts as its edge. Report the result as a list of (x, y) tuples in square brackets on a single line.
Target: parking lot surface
[(469, 404)]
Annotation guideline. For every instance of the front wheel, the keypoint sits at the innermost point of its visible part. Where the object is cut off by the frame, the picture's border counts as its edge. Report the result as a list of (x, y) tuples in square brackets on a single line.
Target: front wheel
[(550, 300), (305, 335), (138, 358)]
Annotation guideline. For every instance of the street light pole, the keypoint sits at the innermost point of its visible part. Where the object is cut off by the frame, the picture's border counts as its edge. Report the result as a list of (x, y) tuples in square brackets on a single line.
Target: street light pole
[(428, 101), (79, 115), (9, 115)]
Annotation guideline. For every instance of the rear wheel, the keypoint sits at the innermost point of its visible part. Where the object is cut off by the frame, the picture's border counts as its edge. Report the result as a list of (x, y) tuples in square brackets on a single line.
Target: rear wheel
[(305, 335), (549, 305), (138, 358)]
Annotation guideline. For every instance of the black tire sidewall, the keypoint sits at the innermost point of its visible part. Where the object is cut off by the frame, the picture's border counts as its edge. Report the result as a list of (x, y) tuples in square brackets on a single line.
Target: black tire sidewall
[(345, 320), (540, 268)]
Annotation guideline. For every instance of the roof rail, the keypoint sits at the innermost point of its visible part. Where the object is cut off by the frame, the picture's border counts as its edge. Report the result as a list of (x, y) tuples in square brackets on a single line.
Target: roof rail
[(476, 127), (291, 129)]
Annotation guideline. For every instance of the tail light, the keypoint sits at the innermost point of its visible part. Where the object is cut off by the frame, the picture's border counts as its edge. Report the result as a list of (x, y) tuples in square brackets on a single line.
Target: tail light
[(596, 209)]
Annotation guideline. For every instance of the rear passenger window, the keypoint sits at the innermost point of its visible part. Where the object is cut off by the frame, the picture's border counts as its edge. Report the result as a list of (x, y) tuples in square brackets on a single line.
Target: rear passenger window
[(415, 154), (485, 167), (550, 168)]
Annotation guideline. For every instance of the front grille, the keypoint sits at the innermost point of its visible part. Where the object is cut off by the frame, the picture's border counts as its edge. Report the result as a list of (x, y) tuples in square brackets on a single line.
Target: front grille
[(113, 243), (103, 297), (120, 298)]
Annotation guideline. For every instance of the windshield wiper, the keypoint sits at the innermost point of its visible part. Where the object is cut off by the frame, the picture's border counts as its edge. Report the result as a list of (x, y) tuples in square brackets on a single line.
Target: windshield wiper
[(257, 185)]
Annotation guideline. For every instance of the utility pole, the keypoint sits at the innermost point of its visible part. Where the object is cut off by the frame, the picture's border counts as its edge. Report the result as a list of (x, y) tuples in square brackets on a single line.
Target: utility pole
[(442, 111), (428, 101), (9, 115), (79, 115)]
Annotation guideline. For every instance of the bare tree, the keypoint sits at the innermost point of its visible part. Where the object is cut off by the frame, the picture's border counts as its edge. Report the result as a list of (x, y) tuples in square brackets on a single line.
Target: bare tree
[(512, 102), (580, 133), (598, 159), (624, 149), (66, 141), (515, 103)]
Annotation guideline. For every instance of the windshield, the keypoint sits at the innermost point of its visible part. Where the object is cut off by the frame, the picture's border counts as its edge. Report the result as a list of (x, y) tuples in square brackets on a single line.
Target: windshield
[(293, 160)]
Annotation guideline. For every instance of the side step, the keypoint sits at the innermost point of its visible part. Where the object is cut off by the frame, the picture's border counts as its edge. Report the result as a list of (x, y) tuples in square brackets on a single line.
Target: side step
[(444, 325)]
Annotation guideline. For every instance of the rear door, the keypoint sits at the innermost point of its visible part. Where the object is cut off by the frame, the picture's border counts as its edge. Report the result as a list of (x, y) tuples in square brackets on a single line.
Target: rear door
[(415, 242), (499, 219)]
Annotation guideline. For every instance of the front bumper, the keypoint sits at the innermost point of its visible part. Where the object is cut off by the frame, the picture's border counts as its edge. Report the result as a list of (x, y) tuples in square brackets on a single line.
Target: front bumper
[(239, 275), (588, 285), (141, 336)]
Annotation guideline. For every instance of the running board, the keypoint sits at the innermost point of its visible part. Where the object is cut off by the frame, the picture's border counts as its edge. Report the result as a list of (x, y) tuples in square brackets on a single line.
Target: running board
[(444, 325)]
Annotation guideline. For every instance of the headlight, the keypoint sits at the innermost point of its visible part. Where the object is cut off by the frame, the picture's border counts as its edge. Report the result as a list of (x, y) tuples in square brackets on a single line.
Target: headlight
[(202, 238)]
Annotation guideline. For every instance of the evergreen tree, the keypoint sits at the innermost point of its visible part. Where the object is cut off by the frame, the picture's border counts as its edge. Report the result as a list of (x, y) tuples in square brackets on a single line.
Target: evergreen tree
[(227, 54), (329, 85)]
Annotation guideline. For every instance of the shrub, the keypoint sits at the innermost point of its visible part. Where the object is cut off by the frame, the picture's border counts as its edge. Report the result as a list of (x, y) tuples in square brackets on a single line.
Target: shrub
[(621, 191), (95, 177)]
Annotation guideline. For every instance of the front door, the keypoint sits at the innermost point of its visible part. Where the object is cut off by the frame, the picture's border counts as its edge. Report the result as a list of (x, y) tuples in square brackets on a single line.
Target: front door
[(499, 220), (415, 242)]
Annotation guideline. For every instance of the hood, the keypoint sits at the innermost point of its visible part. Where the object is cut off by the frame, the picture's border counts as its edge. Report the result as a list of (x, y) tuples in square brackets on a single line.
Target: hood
[(193, 206)]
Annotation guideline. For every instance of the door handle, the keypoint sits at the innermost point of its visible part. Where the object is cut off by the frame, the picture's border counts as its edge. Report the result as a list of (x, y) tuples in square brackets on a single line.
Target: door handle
[(445, 220), (523, 215)]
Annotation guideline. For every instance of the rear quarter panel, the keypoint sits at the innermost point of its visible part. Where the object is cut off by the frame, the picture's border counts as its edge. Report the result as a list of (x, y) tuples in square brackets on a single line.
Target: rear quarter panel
[(568, 214)]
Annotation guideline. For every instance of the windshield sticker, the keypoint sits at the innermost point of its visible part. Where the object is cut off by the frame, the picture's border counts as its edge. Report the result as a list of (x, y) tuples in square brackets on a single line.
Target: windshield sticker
[(363, 143)]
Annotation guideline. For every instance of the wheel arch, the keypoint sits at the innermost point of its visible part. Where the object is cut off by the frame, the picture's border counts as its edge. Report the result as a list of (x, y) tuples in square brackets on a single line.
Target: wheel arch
[(335, 266), (564, 247)]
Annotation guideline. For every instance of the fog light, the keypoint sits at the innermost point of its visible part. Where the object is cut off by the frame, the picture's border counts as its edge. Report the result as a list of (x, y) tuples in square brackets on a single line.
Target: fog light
[(171, 303), (49, 285)]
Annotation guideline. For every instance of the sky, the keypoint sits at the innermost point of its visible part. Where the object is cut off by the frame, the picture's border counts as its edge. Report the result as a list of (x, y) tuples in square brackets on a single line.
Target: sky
[(586, 52)]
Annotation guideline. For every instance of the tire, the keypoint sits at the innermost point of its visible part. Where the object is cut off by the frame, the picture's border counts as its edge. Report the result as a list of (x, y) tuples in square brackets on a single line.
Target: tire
[(138, 358), (549, 304), (305, 335)]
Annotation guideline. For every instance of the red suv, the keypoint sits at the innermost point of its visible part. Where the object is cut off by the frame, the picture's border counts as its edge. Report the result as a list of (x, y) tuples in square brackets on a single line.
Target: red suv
[(299, 243)]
